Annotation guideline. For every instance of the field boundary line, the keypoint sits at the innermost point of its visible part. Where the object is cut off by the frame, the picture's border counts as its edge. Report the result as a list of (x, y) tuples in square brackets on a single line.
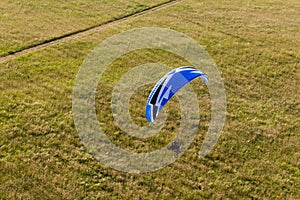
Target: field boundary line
[(83, 32)]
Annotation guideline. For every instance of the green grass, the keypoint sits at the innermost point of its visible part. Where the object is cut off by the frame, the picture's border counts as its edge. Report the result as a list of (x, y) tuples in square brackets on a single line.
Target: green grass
[(256, 48), (27, 23)]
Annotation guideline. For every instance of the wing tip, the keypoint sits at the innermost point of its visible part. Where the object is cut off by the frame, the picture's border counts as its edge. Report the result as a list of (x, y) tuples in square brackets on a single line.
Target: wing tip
[(148, 113), (205, 78)]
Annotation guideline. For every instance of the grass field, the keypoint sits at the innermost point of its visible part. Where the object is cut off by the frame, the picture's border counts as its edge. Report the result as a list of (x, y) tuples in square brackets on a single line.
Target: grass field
[(255, 45), (26, 23)]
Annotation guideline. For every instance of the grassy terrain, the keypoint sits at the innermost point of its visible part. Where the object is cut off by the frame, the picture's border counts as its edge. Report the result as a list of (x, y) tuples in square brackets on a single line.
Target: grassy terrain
[(256, 48), (25, 23)]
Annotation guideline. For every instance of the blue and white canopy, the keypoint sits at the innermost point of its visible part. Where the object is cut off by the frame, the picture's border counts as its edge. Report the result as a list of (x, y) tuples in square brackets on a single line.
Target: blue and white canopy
[(167, 86)]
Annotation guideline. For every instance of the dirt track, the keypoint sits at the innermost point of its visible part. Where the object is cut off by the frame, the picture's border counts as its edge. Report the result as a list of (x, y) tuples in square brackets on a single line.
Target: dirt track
[(83, 32)]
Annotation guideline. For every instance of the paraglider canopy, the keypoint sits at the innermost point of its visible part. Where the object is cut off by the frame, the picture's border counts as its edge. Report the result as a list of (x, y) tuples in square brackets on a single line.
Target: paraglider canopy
[(167, 86)]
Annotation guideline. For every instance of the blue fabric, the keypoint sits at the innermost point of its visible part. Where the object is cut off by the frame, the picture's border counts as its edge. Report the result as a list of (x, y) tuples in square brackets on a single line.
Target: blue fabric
[(167, 87)]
